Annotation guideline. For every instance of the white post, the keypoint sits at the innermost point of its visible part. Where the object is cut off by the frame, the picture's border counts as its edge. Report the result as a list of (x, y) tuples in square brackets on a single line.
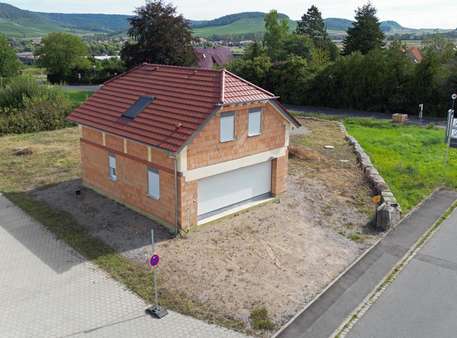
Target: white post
[(449, 134), (421, 111)]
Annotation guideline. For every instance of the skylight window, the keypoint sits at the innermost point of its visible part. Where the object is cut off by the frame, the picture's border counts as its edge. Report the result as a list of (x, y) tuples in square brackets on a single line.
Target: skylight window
[(138, 107)]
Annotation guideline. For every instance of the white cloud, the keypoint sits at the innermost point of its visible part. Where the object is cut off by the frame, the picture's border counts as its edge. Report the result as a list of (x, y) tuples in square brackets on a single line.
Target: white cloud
[(409, 13)]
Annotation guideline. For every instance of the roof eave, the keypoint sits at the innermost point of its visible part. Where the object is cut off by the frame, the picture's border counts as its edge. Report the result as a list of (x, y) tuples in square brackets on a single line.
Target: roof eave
[(286, 113), (168, 151)]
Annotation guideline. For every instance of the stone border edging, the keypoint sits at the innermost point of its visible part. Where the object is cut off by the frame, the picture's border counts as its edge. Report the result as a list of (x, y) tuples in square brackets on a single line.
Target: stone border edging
[(388, 213)]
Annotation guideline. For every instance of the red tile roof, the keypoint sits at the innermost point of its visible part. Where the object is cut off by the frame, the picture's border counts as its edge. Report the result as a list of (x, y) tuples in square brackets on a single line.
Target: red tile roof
[(183, 100), (416, 54)]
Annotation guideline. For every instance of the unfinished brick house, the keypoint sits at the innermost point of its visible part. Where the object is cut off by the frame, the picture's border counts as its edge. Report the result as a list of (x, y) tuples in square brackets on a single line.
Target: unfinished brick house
[(183, 145)]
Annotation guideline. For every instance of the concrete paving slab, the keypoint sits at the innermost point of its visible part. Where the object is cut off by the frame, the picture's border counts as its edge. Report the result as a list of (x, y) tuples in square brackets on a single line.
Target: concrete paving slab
[(48, 290)]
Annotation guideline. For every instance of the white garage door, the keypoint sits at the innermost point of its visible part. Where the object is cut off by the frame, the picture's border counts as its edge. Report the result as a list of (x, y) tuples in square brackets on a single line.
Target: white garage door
[(220, 191)]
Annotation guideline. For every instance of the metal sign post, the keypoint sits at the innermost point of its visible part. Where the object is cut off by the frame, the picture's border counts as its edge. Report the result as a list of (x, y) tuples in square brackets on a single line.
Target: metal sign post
[(155, 310)]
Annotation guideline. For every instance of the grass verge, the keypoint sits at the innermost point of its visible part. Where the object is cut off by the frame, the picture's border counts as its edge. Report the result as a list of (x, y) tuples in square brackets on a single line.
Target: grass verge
[(409, 157), (77, 97)]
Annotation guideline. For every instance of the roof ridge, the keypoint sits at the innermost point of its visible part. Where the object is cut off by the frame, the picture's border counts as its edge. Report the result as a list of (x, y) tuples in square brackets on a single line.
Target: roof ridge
[(250, 84), (222, 85), (181, 67), (124, 73)]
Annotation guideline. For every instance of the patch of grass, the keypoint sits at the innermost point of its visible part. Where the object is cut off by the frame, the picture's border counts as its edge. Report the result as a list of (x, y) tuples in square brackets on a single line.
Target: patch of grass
[(77, 97), (320, 116), (55, 158), (409, 157), (34, 71), (356, 237), (260, 320)]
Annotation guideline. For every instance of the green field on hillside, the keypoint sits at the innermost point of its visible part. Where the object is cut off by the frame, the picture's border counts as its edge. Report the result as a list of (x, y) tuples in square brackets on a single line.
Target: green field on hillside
[(239, 27)]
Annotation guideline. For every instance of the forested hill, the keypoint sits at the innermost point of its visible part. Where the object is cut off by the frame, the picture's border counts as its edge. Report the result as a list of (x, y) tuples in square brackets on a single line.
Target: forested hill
[(16, 22)]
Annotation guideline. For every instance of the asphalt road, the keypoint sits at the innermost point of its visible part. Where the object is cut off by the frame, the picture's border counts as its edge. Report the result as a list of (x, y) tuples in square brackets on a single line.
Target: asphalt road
[(422, 301), (358, 113)]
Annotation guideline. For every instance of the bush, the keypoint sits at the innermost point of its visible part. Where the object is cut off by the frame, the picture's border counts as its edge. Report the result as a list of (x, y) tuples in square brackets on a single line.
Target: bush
[(17, 90), (26, 106)]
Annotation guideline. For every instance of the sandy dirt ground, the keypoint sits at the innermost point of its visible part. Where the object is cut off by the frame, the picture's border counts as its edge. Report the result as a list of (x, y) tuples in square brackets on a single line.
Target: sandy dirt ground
[(279, 255)]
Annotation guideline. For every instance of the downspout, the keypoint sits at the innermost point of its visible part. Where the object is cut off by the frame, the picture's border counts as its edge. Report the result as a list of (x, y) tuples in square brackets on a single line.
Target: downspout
[(176, 194)]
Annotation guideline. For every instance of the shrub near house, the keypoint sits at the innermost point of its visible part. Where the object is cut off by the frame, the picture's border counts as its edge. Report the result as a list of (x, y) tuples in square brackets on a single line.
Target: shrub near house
[(167, 140), (26, 106)]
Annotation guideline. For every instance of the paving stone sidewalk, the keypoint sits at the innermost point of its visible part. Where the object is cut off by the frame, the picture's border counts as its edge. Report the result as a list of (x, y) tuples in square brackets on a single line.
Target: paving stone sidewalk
[(48, 290)]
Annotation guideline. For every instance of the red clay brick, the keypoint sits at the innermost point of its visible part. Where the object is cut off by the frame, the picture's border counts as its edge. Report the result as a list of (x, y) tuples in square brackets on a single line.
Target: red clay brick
[(206, 149)]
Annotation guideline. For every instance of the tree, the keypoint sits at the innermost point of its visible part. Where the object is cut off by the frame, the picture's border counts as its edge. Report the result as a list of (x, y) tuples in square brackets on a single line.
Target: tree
[(255, 70), (313, 26), (254, 50), (442, 47), (291, 79), (60, 53), (275, 35), (9, 64), (298, 45), (159, 36), (365, 34)]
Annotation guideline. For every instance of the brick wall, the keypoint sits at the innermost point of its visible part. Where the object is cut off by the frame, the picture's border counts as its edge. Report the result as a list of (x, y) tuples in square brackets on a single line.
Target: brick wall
[(131, 186), (206, 149), (279, 168), (188, 202)]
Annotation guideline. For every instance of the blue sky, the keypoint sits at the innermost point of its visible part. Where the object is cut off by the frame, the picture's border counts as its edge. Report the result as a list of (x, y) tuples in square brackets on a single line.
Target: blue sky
[(409, 13)]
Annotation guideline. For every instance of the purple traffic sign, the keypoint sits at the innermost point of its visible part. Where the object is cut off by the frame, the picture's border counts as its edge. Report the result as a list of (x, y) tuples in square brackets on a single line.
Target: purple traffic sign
[(154, 261)]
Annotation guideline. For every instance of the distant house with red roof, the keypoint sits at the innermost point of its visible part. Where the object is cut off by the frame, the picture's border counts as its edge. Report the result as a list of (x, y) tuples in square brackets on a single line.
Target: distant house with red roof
[(209, 58), (183, 145), (415, 54)]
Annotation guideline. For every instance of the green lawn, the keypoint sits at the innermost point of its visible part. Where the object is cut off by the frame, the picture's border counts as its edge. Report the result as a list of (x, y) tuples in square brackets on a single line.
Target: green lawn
[(77, 97), (410, 158)]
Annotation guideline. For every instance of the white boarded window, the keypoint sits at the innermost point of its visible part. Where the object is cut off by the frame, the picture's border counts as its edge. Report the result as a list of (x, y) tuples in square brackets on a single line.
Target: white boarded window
[(112, 167), (255, 122), (153, 184), (227, 127)]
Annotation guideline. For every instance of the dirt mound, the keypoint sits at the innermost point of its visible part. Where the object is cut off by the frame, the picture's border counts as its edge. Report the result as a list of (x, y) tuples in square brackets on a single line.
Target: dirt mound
[(303, 153)]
